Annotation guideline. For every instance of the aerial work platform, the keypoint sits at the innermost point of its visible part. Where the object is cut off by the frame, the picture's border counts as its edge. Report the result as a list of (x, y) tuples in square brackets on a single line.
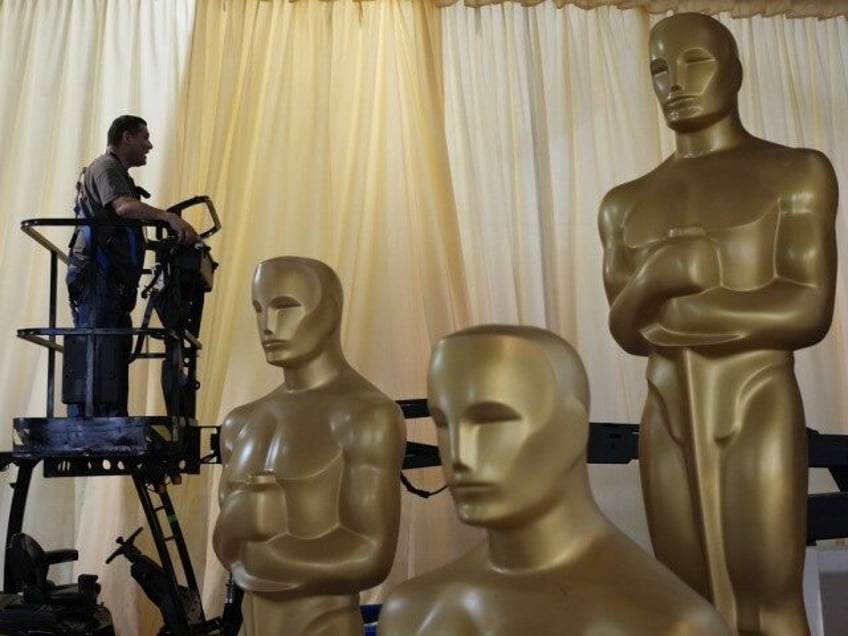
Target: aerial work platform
[(154, 451)]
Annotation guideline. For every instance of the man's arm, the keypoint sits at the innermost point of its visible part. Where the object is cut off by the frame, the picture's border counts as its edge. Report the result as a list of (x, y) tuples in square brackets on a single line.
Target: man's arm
[(357, 553), (128, 207), (793, 309), (112, 187)]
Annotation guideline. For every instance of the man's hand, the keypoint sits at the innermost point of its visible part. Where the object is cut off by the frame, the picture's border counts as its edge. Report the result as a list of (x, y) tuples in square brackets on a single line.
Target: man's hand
[(186, 234), (131, 208)]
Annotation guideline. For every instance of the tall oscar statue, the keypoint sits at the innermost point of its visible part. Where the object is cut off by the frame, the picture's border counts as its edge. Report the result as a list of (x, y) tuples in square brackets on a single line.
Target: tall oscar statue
[(718, 264)]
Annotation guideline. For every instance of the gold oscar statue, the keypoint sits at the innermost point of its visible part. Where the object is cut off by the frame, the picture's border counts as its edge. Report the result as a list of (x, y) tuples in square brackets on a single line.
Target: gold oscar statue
[(718, 264), (309, 495), (511, 406)]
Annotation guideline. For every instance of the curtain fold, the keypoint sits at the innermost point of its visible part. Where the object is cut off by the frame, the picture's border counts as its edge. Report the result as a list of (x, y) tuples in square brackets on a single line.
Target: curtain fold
[(545, 111), (317, 128), (68, 69)]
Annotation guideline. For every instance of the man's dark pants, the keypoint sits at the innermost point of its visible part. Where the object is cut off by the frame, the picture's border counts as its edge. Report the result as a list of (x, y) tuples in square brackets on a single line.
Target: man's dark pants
[(111, 352)]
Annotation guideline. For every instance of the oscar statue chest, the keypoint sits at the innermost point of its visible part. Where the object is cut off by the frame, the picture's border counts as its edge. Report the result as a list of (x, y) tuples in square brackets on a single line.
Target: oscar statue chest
[(737, 210), (295, 441)]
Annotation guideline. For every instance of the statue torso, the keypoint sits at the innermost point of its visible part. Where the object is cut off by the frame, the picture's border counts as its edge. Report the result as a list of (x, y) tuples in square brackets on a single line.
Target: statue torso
[(734, 198), (297, 438), (617, 590)]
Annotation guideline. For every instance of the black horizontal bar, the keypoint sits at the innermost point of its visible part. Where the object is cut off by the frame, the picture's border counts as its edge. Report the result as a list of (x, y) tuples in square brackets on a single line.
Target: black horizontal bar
[(827, 516)]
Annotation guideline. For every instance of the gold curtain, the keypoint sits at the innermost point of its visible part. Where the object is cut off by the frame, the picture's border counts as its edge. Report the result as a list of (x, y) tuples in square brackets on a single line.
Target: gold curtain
[(68, 69), (447, 162), (736, 8), (317, 129)]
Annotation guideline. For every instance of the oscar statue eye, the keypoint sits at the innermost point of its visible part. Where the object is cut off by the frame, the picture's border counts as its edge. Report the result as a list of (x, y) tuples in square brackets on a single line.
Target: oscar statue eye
[(491, 413), (697, 56), (658, 67)]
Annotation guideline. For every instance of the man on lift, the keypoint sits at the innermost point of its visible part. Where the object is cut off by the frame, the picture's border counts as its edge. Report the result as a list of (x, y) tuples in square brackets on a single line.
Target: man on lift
[(105, 297)]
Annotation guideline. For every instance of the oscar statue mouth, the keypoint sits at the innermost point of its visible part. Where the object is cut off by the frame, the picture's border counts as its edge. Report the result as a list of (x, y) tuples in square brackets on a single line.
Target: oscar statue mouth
[(680, 101), (471, 488)]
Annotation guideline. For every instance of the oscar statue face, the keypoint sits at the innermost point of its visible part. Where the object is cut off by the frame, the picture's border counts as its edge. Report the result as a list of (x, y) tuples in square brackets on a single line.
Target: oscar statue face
[(295, 316), (498, 412), (696, 73)]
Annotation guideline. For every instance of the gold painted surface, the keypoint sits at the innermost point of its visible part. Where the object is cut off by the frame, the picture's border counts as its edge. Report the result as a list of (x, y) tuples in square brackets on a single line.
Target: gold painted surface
[(309, 496), (718, 264), (510, 406)]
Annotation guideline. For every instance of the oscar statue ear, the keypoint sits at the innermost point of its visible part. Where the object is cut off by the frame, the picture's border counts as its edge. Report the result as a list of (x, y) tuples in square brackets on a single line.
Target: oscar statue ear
[(737, 66), (577, 420)]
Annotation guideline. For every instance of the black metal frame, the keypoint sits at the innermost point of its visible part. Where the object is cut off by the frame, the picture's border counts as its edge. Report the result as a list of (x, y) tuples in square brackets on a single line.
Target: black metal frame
[(46, 337), (151, 450), (609, 443)]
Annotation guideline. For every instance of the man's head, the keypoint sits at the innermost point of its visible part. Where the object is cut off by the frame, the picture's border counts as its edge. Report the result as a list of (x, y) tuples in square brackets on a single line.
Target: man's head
[(129, 139), (511, 408), (298, 303), (695, 69)]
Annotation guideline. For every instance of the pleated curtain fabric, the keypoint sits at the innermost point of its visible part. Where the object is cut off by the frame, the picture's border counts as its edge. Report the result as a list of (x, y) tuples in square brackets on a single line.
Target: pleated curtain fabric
[(447, 162)]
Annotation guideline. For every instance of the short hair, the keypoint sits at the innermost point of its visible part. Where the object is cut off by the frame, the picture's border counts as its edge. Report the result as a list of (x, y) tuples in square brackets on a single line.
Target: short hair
[(122, 124)]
